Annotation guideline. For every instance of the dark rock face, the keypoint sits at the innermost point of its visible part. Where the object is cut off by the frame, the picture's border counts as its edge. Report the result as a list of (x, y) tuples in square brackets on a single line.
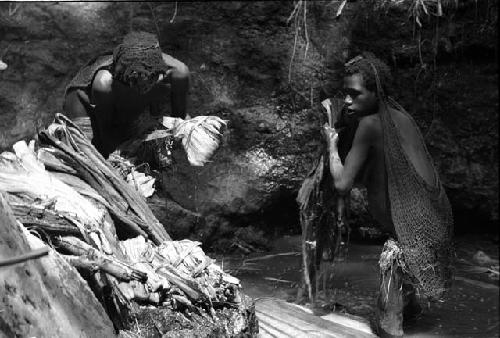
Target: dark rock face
[(257, 161), (178, 221), (239, 54)]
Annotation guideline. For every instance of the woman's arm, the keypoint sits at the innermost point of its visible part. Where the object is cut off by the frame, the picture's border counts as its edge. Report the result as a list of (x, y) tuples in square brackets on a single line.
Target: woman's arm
[(101, 116), (178, 77), (344, 175)]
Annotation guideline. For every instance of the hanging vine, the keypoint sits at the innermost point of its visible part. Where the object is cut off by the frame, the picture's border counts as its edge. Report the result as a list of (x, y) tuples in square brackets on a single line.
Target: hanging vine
[(299, 17)]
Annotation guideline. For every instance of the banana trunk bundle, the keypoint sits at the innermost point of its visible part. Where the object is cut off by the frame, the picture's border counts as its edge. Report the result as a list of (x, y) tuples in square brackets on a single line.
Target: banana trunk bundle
[(184, 267), (64, 191), (74, 150), (30, 186)]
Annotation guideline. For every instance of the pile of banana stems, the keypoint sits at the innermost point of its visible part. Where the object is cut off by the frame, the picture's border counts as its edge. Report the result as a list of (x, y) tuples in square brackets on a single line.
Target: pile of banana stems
[(69, 144), (63, 190)]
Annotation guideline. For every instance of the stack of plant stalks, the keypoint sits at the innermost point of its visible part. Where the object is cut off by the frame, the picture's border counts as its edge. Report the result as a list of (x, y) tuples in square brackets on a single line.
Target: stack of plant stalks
[(72, 221), (180, 274), (34, 192), (68, 144), (66, 193)]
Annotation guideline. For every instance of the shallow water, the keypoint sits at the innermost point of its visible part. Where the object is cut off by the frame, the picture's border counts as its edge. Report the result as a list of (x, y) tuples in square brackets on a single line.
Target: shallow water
[(471, 309)]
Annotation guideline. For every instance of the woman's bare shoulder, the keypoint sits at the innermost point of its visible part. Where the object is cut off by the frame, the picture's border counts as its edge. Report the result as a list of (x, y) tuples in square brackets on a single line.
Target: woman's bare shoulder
[(370, 123), (103, 82), (101, 92), (370, 128)]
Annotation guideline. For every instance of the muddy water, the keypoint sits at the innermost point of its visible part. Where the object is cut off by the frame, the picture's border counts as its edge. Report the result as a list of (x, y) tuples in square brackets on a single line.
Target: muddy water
[(471, 309)]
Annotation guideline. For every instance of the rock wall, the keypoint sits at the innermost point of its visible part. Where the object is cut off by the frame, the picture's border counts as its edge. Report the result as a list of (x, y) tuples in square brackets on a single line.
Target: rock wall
[(242, 55)]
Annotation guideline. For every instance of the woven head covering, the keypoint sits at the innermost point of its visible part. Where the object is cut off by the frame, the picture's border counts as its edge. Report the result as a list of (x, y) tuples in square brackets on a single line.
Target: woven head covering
[(138, 61)]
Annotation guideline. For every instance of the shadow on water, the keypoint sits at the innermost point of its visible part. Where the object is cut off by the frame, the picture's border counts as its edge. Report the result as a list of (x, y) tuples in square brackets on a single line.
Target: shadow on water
[(471, 309)]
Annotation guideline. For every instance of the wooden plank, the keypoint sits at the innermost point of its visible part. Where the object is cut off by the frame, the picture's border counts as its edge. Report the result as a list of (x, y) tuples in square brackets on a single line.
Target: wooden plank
[(294, 328), (266, 330), (274, 327), (290, 314), (278, 318)]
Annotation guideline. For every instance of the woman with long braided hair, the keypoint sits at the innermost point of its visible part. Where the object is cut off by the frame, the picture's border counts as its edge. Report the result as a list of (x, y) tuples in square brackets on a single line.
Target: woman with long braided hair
[(115, 89)]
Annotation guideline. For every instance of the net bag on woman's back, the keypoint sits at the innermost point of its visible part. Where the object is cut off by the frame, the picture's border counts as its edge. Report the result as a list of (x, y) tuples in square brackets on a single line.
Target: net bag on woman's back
[(421, 213)]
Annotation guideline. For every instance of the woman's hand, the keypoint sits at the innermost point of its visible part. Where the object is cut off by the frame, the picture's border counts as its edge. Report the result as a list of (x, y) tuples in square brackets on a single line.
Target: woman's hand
[(166, 77), (331, 137)]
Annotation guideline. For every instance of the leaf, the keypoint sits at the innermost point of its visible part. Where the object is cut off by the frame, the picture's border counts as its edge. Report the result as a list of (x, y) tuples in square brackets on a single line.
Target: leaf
[(157, 134), (142, 183)]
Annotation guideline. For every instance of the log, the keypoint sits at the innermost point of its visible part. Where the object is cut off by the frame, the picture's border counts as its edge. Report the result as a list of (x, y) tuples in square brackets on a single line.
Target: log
[(93, 264), (32, 304), (91, 259), (24, 257), (186, 284), (44, 220)]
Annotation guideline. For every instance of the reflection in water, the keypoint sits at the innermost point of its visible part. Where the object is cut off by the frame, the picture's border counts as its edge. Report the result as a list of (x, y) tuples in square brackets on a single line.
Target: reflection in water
[(471, 309)]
